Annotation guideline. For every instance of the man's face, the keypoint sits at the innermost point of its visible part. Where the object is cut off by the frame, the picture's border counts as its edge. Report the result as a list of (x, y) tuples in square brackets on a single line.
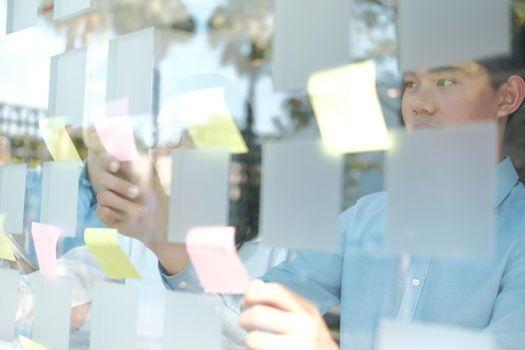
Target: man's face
[(448, 95)]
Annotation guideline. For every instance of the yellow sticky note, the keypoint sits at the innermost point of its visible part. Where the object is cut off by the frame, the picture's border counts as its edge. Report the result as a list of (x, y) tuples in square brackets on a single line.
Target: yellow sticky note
[(103, 243), (347, 109), (57, 140), (28, 344), (209, 122), (6, 252)]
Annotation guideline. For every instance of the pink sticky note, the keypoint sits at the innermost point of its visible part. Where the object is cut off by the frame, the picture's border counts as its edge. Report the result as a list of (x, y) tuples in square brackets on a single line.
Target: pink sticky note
[(214, 256), (117, 108), (116, 135), (45, 238)]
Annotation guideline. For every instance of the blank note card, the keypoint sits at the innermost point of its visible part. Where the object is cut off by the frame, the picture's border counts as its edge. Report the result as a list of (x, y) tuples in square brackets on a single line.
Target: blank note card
[(114, 316), (130, 70), (395, 335), (67, 86), (438, 33), (68, 8), (199, 190), (52, 311), (203, 330), (60, 195), (8, 303), (21, 14), (214, 257), (309, 36), (441, 192), (300, 195), (12, 196)]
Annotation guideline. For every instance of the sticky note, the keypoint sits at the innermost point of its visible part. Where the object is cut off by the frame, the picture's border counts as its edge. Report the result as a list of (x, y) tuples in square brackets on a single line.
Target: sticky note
[(214, 257), (117, 108), (68, 8), (300, 196), (183, 332), (309, 36), (58, 141), (130, 75), (28, 344), (8, 303), (347, 108), (60, 195), (45, 238), (424, 42), (116, 135), (103, 243), (6, 251), (110, 329), (395, 335), (12, 196), (21, 14), (441, 192), (199, 191), (52, 311), (67, 86), (208, 120)]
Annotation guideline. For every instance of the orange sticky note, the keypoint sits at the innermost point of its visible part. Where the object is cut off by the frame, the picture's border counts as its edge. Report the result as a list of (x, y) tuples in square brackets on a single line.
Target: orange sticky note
[(6, 252), (214, 256), (45, 238), (28, 344), (103, 243)]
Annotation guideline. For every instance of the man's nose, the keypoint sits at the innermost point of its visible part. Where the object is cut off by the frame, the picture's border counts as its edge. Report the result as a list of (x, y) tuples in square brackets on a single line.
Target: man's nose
[(424, 103)]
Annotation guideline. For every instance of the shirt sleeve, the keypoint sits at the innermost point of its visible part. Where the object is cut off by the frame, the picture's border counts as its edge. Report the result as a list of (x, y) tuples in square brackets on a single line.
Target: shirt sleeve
[(315, 275), (184, 281), (507, 324)]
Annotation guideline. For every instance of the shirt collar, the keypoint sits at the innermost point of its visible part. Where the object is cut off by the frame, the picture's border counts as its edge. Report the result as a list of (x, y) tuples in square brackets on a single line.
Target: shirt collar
[(506, 179)]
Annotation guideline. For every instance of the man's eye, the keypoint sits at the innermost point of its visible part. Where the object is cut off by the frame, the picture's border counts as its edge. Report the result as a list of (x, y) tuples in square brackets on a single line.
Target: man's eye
[(445, 82), (409, 84)]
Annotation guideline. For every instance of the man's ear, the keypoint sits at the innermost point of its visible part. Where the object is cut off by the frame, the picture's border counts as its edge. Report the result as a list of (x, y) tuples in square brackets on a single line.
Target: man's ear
[(512, 94)]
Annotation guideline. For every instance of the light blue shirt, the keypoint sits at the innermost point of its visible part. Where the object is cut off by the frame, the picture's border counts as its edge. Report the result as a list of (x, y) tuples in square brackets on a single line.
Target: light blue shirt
[(369, 286)]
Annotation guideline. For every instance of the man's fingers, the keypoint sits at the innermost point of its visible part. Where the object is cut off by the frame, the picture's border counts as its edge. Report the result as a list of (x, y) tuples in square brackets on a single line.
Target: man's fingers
[(277, 296), (116, 184), (114, 201), (108, 162), (272, 320), (108, 216), (257, 340)]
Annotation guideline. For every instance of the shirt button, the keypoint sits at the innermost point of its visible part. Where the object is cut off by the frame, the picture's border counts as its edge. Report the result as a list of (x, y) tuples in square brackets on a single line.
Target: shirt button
[(183, 285), (415, 282)]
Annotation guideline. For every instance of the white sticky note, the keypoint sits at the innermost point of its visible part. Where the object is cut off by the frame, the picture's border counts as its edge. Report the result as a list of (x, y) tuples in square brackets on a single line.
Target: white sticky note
[(300, 195), (395, 335), (8, 303), (199, 190), (441, 192), (113, 316), (67, 8), (67, 86), (21, 14), (425, 42), (130, 70), (60, 195), (309, 36), (200, 331), (12, 196), (52, 311)]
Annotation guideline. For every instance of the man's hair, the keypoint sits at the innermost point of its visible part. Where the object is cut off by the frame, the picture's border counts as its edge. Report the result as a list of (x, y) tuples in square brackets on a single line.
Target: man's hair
[(501, 68)]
